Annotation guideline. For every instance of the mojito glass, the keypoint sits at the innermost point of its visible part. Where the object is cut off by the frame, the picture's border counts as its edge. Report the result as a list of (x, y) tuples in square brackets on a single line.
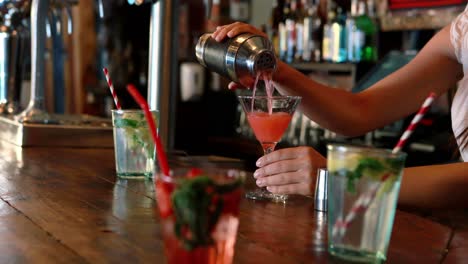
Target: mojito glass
[(133, 146), (363, 187), (199, 212)]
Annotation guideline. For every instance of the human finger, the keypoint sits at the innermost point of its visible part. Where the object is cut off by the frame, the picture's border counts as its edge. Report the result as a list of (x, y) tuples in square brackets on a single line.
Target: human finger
[(216, 32), (283, 179), (244, 28), (296, 188), (222, 32), (284, 166), (283, 154)]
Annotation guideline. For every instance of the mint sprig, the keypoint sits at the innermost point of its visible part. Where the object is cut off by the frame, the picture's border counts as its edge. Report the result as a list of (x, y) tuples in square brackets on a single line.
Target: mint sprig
[(197, 205), (125, 122), (370, 166)]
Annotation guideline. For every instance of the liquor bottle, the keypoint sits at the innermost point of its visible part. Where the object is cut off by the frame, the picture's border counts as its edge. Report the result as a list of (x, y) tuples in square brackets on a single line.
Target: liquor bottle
[(215, 17), (355, 36), (338, 37), (300, 15), (239, 10), (291, 33), (327, 41), (366, 22), (282, 31), (275, 19), (312, 34)]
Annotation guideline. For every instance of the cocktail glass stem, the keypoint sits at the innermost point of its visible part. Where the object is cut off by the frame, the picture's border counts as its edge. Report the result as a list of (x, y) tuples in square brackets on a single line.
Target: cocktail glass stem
[(261, 193), (268, 147)]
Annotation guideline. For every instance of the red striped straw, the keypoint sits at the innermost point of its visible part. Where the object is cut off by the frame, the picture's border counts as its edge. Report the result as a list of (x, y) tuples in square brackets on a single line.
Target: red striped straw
[(162, 158), (365, 199), (111, 87), (417, 118)]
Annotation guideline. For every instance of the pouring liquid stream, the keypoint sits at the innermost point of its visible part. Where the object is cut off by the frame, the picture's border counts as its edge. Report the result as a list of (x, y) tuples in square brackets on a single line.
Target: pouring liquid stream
[(266, 76)]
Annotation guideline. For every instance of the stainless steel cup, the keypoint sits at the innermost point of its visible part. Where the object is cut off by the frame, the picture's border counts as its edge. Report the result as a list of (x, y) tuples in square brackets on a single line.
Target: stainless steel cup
[(321, 192), (239, 59)]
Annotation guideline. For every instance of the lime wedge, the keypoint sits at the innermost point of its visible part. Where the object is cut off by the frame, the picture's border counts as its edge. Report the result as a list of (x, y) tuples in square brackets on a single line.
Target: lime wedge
[(349, 163)]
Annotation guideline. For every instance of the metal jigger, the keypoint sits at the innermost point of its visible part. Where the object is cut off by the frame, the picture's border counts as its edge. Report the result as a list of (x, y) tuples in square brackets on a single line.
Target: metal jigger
[(321, 190), (239, 59)]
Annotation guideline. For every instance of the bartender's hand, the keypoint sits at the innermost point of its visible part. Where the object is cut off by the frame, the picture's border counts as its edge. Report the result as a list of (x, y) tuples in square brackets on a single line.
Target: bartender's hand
[(290, 170), (232, 30)]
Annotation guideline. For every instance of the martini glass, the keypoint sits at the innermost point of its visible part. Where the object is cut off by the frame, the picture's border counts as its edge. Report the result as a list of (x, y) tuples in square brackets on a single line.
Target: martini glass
[(269, 117)]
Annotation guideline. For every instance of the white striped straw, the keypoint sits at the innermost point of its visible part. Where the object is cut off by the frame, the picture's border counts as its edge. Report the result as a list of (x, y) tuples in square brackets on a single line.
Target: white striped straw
[(111, 87), (417, 118), (365, 199)]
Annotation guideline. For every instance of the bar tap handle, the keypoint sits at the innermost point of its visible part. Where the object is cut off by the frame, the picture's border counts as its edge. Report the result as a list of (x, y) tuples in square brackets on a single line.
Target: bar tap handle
[(70, 101), (67, 8), (55, 22), (208, 6), (35, 111)]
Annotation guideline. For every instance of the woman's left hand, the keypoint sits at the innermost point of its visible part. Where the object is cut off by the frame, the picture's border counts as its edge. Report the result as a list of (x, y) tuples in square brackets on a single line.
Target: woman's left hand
[(289, 170)]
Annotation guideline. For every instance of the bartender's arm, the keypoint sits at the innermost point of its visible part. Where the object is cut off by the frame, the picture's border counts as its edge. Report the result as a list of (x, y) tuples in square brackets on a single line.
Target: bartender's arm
[(436, 186)]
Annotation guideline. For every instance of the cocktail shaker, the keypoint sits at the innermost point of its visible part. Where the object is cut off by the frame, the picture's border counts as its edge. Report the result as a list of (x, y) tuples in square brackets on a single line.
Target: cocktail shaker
[(239, 59)]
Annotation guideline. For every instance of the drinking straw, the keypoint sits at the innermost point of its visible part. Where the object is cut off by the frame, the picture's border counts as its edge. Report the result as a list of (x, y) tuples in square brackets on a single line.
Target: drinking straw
[(365, 199), (111, 88), (416, 119), (162, 158)]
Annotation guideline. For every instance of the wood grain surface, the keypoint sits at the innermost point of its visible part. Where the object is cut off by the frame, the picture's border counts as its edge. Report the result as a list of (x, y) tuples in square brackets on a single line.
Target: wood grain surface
[(65, 205)]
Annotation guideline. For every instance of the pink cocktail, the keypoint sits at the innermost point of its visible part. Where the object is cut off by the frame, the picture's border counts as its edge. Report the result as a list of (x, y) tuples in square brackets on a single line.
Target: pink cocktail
[(269, 117), (269, 128)]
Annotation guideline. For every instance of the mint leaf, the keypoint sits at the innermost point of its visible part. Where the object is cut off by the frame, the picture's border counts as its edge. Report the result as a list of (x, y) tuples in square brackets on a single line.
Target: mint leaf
[(197, 205), (373, 165), (350, 177), (124, 122), (395, 164)]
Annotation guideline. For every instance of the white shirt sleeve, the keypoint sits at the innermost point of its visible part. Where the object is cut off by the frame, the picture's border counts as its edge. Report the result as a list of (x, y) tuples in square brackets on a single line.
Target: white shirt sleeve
[(458, 35)]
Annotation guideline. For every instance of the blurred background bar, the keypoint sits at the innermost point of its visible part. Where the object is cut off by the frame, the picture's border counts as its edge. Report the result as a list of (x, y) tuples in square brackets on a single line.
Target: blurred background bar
[(348, 44)]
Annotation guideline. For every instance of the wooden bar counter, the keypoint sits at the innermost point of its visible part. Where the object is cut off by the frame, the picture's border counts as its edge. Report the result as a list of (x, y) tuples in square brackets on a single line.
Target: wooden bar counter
[(64, 205)]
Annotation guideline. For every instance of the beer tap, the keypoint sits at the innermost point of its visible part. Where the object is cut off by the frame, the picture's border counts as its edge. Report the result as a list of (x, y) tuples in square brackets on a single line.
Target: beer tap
[(162, 63), (208, 5), (13, 40), (35, 111)]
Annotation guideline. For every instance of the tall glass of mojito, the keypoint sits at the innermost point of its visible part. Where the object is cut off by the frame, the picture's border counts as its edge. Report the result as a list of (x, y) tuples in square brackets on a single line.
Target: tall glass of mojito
[(133, 146), (363, 190), (199, 213)]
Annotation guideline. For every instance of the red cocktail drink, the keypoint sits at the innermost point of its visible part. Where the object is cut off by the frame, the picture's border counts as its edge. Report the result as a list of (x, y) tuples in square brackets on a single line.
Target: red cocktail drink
[(199, 210), (269, 127), (269, 118)]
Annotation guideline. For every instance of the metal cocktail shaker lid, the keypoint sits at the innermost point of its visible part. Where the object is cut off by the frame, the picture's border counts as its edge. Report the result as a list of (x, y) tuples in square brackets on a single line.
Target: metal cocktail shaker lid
[(321, 190), (239, 59)]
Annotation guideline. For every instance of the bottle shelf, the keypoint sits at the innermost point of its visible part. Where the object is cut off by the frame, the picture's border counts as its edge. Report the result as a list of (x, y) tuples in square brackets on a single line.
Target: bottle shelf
[(417, 19), (325, 67)]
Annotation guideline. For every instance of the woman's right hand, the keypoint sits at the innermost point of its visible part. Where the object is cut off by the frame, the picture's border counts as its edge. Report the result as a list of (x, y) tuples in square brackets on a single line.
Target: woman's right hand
[(232, 30)]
